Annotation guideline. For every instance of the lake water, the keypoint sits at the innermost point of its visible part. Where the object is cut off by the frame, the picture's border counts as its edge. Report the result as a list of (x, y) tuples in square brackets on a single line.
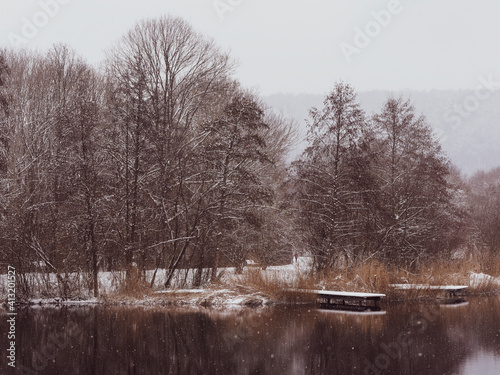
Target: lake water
[(401, 339)]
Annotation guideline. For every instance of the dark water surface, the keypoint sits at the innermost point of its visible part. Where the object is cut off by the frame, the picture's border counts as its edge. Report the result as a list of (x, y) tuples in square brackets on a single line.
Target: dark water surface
[(403, 339)]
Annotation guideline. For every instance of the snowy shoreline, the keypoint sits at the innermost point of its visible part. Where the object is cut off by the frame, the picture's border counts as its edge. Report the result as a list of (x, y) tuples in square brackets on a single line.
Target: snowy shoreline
[(231, 291), (213, 298)]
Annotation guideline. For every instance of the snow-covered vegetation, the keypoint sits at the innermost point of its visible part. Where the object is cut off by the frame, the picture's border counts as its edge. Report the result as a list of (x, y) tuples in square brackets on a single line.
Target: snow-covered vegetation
[(232, 288), (160, 172), (253, 286)]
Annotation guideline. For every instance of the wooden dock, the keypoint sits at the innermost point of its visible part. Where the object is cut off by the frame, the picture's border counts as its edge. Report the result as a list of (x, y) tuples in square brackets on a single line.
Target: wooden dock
[(448, 290), (354, 301)]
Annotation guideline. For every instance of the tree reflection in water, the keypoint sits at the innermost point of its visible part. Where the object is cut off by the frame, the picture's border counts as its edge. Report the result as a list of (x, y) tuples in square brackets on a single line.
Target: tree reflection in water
[(406, 339)]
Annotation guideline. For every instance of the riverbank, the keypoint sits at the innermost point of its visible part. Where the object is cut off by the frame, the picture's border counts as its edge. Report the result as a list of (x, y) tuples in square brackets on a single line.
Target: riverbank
[(254, 287), (206, 297)]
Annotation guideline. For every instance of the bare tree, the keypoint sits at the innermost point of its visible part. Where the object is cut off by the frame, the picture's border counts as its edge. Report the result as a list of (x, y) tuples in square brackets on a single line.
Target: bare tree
[(234, 150), (166, 79), (26, 130), (50, 174), (326, 193), (412, 180), (483, 199)]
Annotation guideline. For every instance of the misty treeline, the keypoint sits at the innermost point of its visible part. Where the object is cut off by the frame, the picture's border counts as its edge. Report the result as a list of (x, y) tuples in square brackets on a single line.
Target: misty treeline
[(160, 160)]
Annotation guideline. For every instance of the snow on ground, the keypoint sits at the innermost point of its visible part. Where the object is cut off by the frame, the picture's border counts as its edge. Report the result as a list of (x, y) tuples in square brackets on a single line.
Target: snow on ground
[(231, 291), (45, 286), (287, 274), (482, 279), (60, 301), (427, 286)]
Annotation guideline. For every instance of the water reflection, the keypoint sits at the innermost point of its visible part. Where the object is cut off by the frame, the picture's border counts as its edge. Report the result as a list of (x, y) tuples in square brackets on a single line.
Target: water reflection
[(403, 339)]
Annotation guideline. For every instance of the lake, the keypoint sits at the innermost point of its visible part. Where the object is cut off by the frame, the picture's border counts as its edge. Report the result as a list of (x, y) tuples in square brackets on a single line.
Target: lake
[(401, 339)]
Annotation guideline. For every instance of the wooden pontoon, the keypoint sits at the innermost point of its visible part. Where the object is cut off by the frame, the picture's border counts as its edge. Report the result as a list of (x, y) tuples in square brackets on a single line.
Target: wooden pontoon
[(345, 300), (448, 290)]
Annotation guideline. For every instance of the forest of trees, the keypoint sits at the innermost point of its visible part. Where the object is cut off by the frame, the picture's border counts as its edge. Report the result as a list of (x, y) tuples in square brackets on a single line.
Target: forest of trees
[(160, 158)]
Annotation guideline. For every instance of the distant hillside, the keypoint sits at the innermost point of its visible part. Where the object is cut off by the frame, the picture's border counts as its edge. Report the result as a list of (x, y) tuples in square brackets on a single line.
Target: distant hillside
[(468, 127)]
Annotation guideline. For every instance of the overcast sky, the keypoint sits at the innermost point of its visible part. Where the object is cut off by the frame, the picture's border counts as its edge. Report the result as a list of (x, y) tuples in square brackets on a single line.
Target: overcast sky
[(293, 46)]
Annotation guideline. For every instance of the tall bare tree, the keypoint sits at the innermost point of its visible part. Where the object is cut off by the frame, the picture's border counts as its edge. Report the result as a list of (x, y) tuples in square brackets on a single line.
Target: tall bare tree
[(235, 149), (412, 180), (166, 78), (327, 196)]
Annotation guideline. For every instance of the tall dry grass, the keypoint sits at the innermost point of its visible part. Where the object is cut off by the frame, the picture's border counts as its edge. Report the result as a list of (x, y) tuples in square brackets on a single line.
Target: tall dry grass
[(279, 286), (377, 277)]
